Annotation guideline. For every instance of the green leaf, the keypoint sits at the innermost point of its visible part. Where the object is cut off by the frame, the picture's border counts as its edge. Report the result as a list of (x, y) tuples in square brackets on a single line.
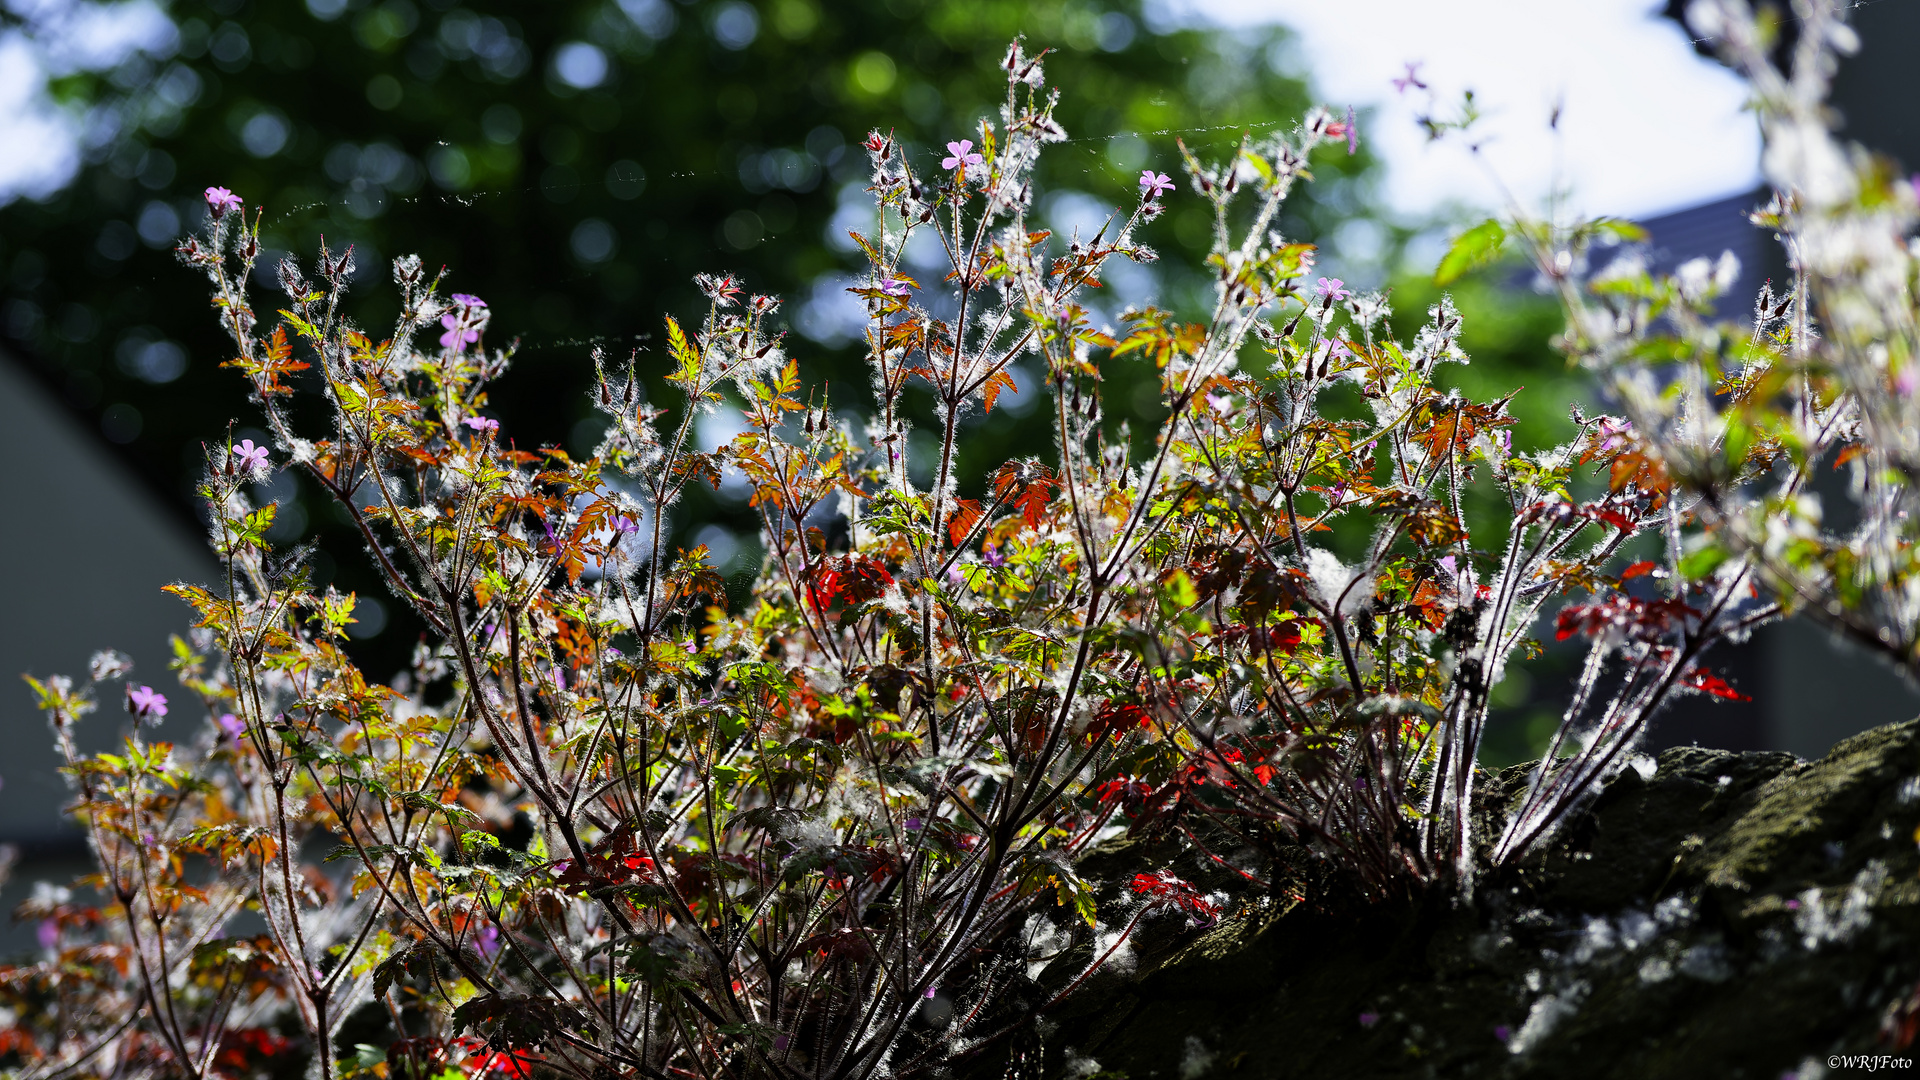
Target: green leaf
[(364, 1059), (1699, 563), (685, 357), (474, 841), (1627, 232), (1473, 249)]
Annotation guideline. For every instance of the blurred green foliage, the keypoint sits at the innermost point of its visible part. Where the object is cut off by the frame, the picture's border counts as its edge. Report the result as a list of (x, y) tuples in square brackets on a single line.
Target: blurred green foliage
[(575, 163)]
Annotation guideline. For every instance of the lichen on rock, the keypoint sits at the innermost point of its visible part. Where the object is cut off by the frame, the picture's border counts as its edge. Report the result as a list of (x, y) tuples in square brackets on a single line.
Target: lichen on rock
[(1733, 914)]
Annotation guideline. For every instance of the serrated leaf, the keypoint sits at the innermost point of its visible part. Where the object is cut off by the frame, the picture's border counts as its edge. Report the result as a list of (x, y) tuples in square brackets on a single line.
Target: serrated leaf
[(1471, 250)]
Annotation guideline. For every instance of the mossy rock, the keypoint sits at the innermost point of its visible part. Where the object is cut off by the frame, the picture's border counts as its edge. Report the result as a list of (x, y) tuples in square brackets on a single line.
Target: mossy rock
[(1732, 915)]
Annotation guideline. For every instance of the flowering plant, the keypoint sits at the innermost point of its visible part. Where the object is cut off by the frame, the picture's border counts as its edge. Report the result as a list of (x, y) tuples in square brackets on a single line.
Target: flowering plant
[(608, 822)]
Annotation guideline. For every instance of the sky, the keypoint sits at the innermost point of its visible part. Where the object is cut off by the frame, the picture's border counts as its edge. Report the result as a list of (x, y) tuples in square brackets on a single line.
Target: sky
[(41, 144), (1647, 125)]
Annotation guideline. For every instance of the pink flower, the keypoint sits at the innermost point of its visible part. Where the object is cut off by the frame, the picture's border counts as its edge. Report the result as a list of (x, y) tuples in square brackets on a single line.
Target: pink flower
[(220, 200), (145, 704), (1908, 379), (48, 933), (1412, 78), (232, 725), (1613, 435), (1368, 1019), (481, 423), (1329, 289), (487, 941), (468, 300), (248, 457), (895, 287), (1153, 184), (459, 335), (960, 154), (1502, 1032), (1347, 128), (624, 524)]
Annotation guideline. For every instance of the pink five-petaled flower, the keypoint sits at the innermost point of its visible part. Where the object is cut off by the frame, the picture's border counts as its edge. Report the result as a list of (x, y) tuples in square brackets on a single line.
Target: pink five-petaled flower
[(481, 423), (248, 457), (1347, 129), (1613, 436), (624, 524), (49, 933), (1153, 184), (895, 287), (1411, 78), (468, 300), (1329, 289), (960, 154), (459, 335), (220, 200), (1909, 378), (144, 703), (233, 726)]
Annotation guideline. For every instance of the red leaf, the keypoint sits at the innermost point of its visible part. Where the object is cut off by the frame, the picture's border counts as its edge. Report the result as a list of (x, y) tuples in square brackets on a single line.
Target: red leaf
[(1708, 683), (1634, 571), (1164, 889), (1027, 487), (1115, 719), (1630, 616), (853, 578)]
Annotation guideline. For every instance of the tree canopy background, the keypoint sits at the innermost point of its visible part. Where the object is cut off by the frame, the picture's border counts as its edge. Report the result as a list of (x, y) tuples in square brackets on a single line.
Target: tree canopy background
[(575, 163)]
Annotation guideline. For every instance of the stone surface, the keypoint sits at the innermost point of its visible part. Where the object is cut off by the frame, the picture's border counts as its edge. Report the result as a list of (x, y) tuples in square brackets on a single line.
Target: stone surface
[(1733, 915)]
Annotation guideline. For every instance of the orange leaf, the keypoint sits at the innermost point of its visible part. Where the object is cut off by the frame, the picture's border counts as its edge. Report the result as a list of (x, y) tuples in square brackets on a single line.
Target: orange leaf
[(279, 349), (966, 514), (999, 381)]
